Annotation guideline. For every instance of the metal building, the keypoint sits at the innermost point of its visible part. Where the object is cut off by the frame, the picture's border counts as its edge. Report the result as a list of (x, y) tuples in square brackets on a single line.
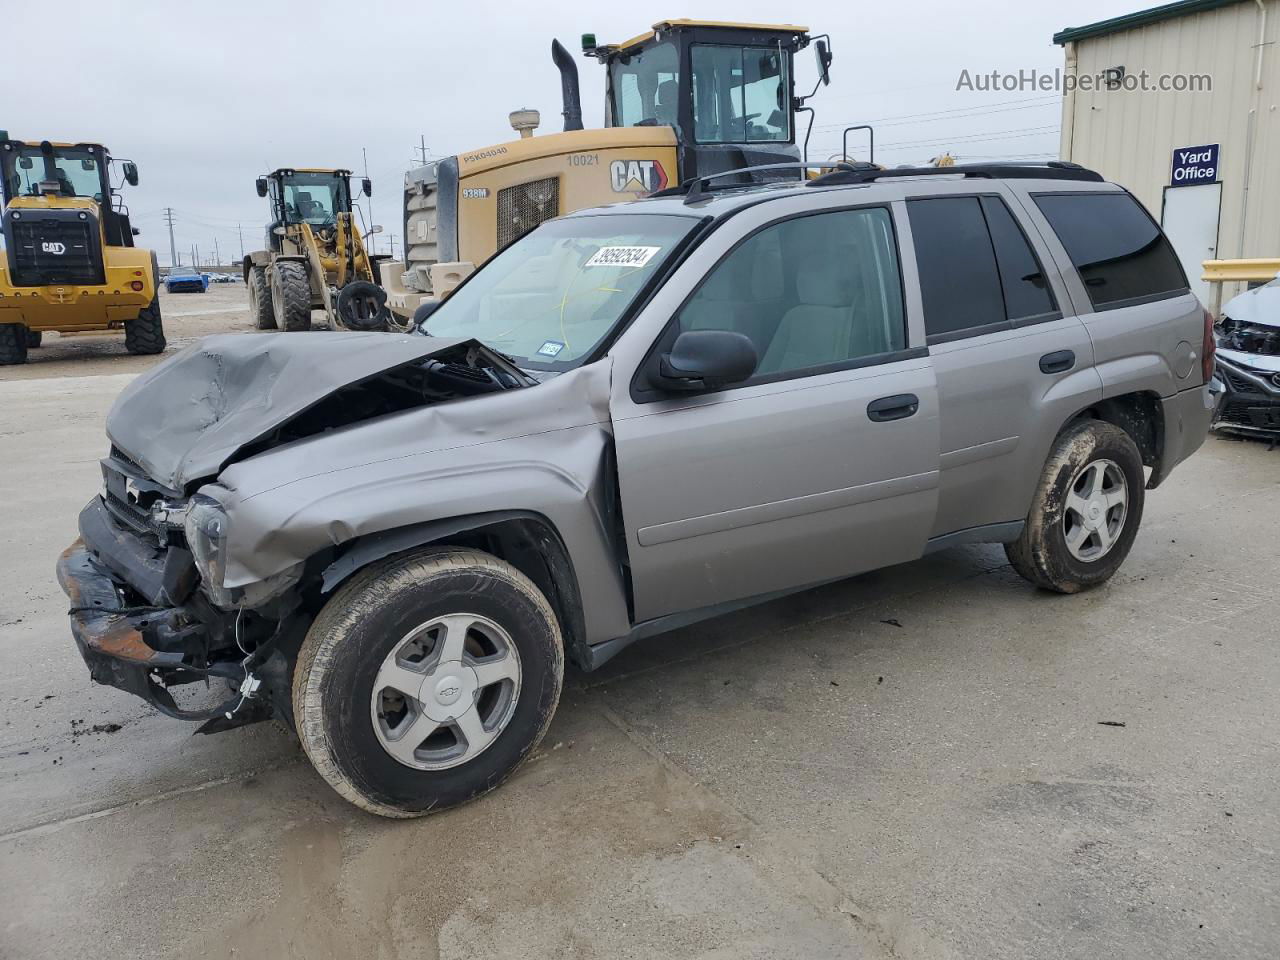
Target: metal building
[(1202, 154)]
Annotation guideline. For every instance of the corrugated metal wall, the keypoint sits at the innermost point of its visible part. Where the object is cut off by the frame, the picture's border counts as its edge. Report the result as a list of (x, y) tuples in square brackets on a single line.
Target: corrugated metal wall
[(1129, 136)]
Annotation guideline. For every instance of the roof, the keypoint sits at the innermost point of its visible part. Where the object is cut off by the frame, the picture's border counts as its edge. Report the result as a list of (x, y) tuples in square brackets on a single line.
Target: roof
[(720, 24), (896, 184), (1170, 11)]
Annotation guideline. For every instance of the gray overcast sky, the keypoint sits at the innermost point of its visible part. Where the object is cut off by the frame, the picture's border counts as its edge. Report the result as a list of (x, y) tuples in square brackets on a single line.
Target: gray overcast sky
[(204, 97)]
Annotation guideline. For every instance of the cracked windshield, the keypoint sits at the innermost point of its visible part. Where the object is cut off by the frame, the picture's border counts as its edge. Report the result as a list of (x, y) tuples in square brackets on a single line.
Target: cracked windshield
[(552, 296)]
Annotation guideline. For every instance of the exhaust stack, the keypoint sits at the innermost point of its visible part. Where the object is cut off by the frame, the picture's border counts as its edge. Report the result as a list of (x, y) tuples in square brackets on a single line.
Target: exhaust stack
[(568, 86)]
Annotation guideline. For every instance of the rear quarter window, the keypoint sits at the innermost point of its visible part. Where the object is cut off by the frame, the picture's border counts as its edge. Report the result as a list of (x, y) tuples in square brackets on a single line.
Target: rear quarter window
[(1119, 252)]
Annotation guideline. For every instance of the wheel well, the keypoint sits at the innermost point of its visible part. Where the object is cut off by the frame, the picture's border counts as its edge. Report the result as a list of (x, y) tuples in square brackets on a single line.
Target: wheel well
[(527, 541), (1141, 416)]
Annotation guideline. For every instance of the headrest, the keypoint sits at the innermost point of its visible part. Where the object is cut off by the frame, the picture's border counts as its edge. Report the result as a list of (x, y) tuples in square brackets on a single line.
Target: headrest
[(819, 285), (668, 90)]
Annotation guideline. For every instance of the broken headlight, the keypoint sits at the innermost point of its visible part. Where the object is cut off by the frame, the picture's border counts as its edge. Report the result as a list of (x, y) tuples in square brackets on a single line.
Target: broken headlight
[(206, 530)]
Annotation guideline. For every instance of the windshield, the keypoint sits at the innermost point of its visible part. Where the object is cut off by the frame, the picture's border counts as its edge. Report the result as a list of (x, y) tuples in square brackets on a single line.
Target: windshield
[(552, 296), (74, 169), (740, 94), (314, 197), (645, 87)]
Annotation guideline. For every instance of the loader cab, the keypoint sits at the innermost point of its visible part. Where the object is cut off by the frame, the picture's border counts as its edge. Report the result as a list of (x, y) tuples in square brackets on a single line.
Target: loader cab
[(727, 89), (315, 197), (62, 171)]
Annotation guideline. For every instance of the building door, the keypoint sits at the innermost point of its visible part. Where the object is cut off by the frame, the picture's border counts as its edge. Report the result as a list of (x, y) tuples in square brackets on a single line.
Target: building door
[(1190, 220)]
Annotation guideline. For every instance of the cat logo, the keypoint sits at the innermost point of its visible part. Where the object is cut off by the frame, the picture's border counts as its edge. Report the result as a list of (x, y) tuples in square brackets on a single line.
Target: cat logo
[(637, 176), (57, 249)]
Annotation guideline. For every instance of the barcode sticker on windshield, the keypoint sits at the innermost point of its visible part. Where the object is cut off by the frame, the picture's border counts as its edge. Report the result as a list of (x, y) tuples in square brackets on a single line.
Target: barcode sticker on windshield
[(621, 256)]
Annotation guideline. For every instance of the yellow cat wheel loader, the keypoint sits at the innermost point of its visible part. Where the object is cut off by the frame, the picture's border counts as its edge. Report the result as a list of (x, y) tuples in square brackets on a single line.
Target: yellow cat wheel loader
[(69, 262), (689, 98), (315, 257)]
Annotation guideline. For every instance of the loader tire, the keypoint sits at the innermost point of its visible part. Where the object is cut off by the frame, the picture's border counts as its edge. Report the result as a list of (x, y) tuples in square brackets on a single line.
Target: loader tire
[(291, 295), (264, 315), (144, 335), (34, 338), (13, 344)]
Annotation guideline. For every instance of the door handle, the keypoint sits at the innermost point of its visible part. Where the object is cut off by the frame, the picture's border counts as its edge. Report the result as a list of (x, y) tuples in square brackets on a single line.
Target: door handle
[(897, 407), (1060, 361)]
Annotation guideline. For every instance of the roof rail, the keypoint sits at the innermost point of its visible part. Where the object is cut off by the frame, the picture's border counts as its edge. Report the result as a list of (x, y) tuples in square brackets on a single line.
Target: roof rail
[(693, 191), (1053, 170)]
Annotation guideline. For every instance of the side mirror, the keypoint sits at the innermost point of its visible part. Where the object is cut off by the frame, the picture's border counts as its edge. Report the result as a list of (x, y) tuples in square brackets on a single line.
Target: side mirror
[(26, 163), (131, 173), (136, 231), (367, 186), (376, 228), (261, 184), (823, 53), (423, 313), (706, 360)]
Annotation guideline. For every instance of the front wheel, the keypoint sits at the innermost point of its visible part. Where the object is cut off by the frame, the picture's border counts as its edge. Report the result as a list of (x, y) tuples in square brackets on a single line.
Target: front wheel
[(144, 335), (291, 295), (426, 681), (34, 338), (264, 315), (13, 344), (1086, 510)]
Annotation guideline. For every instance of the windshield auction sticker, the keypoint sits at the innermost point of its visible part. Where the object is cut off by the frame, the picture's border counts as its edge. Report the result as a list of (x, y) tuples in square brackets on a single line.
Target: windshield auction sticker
[(550, 348), (621, 256)]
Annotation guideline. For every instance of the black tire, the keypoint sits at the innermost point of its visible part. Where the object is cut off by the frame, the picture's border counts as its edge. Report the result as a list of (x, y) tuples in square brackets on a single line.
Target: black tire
[(144, 335), (1041, 554), (340, 660), (34, 338), (291, 295), (13, 344), (264, 314)]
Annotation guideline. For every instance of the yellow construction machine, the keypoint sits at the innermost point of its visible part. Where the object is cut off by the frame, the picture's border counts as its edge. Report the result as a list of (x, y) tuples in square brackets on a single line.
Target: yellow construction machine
[(689, 98), (69, 261), (315, 256)]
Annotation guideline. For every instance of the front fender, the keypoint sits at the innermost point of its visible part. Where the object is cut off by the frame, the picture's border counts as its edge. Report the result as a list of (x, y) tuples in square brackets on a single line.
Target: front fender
[(526, 451)]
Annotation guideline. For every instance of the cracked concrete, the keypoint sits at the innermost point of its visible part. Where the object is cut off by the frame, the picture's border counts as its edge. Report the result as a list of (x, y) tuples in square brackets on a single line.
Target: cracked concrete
[(910, 764)]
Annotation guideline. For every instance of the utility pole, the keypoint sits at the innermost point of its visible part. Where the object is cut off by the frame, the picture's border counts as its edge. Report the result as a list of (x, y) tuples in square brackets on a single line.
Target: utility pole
[(217, 257), (195, 256), (173, 249), (393, 246), (241, 233), (422, 141)]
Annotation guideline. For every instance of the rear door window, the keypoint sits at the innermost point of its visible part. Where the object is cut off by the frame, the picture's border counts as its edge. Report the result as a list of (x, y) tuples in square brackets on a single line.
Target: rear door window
[(1121, 255), (959, 281), (1026, 289)]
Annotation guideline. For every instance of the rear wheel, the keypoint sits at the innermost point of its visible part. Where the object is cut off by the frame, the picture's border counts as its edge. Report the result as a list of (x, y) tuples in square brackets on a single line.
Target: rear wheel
[(144, 335), (1086, 510), (264, 315), (13, 344), (427, 680), (291, 295), (34, 338)]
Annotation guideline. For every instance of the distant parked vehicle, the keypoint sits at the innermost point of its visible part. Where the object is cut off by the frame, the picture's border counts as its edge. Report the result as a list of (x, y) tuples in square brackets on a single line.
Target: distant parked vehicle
[(185, 280)]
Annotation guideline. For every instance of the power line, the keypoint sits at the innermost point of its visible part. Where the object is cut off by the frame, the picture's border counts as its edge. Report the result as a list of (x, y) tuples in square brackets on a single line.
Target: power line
[(981, 108)]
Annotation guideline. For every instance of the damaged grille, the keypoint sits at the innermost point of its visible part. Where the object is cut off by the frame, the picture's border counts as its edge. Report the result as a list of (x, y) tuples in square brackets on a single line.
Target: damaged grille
[(524, 206), (1249, 337)]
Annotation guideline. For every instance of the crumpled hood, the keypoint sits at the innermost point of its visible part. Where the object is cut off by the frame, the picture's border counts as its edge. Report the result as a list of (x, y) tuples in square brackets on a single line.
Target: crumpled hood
[(1260, 305), (186, 417)]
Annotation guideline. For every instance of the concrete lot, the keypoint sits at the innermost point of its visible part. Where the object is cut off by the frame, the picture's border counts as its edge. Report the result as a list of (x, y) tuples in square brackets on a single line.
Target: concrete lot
[(912, 764)]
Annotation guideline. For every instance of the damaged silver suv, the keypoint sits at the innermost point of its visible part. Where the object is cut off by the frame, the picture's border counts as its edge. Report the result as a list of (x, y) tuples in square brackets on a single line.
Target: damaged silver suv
[(633, 418)]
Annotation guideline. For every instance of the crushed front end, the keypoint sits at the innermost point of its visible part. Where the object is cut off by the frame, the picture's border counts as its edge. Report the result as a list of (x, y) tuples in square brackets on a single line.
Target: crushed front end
[(1248, 365), (147, 617)]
